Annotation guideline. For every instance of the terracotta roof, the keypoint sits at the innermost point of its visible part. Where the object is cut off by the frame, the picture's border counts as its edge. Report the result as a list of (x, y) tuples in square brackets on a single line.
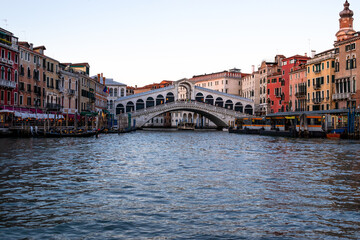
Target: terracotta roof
[(40, 47), (296, 56), (79, 64)]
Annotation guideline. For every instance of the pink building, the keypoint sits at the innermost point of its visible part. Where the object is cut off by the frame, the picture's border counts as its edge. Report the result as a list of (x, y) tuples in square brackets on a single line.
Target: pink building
[(297, 90)]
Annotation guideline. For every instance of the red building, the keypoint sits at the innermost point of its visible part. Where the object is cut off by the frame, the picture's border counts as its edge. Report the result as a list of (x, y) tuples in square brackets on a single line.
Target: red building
[(9, 62), (278, 82), (288, 66), (274, 86)]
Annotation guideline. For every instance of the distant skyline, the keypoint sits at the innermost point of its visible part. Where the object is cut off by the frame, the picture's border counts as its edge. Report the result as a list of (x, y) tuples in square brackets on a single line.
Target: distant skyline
[(140, 42)]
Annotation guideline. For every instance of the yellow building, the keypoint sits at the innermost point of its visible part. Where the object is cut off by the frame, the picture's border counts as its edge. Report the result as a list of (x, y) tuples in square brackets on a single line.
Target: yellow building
[(320, 81)]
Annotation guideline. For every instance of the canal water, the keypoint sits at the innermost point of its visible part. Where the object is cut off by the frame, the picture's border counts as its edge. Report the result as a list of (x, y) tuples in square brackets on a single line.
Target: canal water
[(179, 185)]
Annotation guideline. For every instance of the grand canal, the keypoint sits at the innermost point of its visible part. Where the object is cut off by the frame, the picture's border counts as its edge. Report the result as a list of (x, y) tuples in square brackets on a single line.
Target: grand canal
[(179, 185)]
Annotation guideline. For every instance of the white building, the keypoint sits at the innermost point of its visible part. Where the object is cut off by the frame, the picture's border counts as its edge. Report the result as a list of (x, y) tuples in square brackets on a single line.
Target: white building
[(116, 90)]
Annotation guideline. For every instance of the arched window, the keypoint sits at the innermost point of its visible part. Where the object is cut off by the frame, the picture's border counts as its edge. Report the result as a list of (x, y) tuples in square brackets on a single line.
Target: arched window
[(120, 109), (354, 62), (219, 102), (249, 109), (130, 107), (140, 104), (229, 104), (238, 107), (199, 97), (170, 97), (28, 73), (150, 102), (2, 73), (115, 92), (122, 92), (16, 76), (160, 100), (209, 99), (111, 92), (9, 74)]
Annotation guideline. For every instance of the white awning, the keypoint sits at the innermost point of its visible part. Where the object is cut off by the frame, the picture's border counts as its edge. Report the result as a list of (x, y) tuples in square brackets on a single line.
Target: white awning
[(37, 115)]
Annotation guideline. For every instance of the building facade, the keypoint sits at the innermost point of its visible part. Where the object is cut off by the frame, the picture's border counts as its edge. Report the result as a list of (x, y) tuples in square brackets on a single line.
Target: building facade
[(69, 81), (9, 62), (54, 89), (32, 93), (274, 86), (116, 90), (347, 49), (287, 67), (298, 89), (320, 81), (226, 81)]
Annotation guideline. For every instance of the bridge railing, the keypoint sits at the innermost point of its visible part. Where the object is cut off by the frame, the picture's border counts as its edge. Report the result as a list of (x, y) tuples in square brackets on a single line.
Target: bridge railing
[(186, 104)]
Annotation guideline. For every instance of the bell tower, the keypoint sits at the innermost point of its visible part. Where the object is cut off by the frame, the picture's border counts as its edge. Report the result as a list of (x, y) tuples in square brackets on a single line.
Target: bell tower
[(346, 23)]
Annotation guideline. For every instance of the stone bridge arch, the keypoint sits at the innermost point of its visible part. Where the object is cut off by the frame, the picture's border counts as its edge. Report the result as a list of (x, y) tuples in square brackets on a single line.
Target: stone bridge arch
[(220, 116)]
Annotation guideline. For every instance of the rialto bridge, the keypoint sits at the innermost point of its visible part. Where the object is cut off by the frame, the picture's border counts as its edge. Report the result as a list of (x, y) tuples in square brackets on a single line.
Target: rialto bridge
[(183, 95)]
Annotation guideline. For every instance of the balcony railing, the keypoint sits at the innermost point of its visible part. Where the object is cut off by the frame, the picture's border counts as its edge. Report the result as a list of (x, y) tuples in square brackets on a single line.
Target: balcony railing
[(53, 106), (317, 86), (7, 83), (340, 96), (300, 94), (70, 91), (317, 100)]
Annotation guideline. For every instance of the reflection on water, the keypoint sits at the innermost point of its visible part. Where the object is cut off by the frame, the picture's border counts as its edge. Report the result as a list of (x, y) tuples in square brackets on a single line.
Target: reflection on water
[(179, 185)]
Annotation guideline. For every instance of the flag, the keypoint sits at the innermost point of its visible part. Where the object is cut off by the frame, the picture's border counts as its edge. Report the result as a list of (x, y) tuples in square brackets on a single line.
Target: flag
[(106, 89)]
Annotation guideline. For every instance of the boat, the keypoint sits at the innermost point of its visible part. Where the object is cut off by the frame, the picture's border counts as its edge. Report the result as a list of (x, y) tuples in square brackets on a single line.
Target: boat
[(186, 126), (335, 134), (54, 134)]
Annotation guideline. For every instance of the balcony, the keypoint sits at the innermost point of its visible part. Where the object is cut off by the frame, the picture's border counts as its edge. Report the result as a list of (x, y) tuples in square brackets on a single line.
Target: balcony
[(7, 83), (317, 100), (70, 92), (341, 96), (300, 94), (61, 89), (317, 71), (53, 106), (317, 86)]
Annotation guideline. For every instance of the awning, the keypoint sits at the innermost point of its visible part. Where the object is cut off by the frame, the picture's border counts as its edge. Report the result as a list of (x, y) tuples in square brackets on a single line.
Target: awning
[(37, 115), (89, 114)]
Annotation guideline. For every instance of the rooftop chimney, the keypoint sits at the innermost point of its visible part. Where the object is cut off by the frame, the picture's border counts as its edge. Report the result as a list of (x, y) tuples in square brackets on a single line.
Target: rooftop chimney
[(313, 52), (253, 68), (31, 46)]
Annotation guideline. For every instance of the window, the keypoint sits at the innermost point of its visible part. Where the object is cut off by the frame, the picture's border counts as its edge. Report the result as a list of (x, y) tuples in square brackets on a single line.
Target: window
[(9, 55), (16, 76), (327, 64), (2, 53), (2, 96), (2, 73), (9, 74), (337, 66), (15, 98), (9, 97), (28, 73), (29, 101), (21, 100), (327, 79)]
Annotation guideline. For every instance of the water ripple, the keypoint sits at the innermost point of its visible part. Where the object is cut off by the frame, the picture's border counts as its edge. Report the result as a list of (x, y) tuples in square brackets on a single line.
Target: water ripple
[(179, 185)]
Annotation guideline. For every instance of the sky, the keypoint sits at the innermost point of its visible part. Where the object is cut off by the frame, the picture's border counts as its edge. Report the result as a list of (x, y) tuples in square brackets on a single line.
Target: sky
[(139, 42)]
